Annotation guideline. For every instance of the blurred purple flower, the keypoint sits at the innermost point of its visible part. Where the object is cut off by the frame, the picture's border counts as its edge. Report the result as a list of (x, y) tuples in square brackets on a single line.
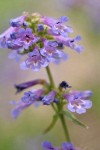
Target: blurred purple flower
[(65, 146), (78, 101), (71, 42), (47, 146), (5, 36), (49, 98), (56, 26), (27, 37), (19, 107), (14, 44), (28, 99), (8, 32), (52, 53), (25, 85), (34, 61)]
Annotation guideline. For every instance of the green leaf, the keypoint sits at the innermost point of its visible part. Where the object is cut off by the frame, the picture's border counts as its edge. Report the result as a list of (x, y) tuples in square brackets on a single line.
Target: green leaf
[(55, 118), (74, 119)]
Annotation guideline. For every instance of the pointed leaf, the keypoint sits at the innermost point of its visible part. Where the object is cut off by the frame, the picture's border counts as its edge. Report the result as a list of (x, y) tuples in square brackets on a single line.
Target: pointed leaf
[(74, 119), (55, 118)]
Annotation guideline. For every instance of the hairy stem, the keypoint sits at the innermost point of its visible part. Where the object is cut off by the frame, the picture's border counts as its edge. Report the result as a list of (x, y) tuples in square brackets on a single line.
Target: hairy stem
[(65, 128)]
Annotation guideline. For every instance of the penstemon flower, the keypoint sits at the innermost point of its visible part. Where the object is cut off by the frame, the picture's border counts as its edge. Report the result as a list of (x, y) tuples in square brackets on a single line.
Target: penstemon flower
[(34, 61), (25, 85), (78, 101), (27, 100), (42, 40), (48, 99)]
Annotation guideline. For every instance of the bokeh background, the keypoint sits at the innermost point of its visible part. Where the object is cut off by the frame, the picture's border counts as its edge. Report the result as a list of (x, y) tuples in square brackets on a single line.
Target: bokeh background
[(82, 71)]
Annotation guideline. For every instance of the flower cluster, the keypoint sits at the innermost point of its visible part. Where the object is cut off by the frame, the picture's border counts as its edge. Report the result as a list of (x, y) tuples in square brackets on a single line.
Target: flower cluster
[(41, 39), (77, 101)]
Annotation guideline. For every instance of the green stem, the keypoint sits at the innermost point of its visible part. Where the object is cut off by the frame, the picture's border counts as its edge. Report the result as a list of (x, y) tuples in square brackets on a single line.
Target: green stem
[(65, 128), (61, 115), (50, 77)]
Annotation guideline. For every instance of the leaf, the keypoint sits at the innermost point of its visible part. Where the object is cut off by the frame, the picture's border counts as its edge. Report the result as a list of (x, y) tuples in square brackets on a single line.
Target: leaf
[(55, 118), (74, 119)]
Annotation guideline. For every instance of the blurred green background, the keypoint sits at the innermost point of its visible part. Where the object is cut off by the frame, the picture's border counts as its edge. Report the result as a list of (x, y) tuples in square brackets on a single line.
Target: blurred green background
[(82, 71)]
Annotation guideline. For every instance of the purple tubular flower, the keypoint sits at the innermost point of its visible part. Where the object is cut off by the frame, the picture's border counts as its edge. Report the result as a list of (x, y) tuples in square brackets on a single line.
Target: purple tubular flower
[(32, 96), (28, 99), (25, 85), (74, 46), (57, 27), (5, 36), (7, 32), (17, 22), (27, 37), (48, 21), (49, 98), (51, 21), (78, 101), (52, 53), (14, 44), (34, 61), (20, 106), (71, 42), (87, 94)]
